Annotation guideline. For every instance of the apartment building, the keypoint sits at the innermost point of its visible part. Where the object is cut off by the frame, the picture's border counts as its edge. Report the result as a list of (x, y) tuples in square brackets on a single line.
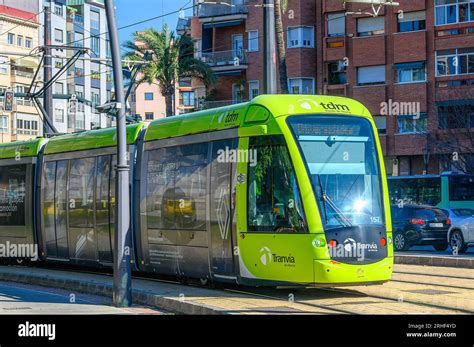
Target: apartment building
[(82, 23), (412, 65), (20, 35)]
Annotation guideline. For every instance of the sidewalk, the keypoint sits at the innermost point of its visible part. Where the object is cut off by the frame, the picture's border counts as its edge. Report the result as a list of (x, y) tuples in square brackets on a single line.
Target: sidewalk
[(419, 258), (171, 297)]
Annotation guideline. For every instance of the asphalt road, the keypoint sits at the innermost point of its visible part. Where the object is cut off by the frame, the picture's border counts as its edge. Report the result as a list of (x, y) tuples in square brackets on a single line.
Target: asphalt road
[(429, 250), (16, 298)]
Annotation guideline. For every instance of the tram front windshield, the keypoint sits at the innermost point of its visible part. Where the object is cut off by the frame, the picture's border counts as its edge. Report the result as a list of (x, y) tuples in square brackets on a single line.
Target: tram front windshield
[(342, 160)]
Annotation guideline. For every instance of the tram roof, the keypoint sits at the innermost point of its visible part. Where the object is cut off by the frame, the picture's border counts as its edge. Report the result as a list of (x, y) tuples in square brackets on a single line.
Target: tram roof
[(28, 148), (260, 110), (92, 139)]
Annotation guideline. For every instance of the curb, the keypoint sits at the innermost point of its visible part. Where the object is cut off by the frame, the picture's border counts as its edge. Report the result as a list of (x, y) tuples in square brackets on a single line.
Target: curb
[(466, 263), (102, 288)]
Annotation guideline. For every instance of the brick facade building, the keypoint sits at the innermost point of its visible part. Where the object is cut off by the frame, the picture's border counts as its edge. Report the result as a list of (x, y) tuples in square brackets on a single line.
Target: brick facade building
[(412, 66)]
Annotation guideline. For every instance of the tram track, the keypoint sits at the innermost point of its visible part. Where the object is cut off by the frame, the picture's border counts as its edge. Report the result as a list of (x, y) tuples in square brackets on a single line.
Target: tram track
[(347, 292)]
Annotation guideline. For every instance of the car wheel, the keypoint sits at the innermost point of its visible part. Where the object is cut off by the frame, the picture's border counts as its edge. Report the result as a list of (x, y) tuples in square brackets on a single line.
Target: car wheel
[(440, 247), (456, 240), (400, 242)]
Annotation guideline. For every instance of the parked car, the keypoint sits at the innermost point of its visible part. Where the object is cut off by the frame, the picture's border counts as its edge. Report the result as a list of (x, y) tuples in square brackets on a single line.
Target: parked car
[(419, 225), (461, 232)]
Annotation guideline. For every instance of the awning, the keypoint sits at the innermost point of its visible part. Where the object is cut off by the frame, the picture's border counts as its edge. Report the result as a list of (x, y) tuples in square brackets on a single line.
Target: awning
[(455, 102), (25, 63), (229, 23), (410, 65)]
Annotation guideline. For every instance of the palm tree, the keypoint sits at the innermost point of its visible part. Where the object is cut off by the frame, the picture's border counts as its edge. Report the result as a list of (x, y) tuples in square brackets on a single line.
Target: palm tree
[(280, 8), (168, 58)]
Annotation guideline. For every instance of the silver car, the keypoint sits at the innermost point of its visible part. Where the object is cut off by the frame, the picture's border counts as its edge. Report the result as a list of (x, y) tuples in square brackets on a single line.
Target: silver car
[(461, 232)]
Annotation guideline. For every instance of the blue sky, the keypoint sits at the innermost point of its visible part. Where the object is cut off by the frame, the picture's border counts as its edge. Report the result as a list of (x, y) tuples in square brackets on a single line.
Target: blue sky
[(130, 11)]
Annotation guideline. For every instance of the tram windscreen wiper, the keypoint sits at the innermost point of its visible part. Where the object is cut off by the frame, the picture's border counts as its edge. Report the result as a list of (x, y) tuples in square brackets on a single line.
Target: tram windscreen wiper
[(328, 201)]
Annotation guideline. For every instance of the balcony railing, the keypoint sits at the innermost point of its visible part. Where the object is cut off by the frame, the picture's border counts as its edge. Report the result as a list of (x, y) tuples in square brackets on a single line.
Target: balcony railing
[(225, 58), (214, 10)]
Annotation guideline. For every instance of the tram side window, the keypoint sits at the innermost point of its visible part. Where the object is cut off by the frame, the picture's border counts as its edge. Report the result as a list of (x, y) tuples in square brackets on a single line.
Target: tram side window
[(12, 195), (274, 200), (81, 193), (191, 187), (177, 187)]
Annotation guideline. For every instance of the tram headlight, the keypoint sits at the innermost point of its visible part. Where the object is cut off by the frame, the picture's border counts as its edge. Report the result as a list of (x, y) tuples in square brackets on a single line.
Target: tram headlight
[(359, 205)]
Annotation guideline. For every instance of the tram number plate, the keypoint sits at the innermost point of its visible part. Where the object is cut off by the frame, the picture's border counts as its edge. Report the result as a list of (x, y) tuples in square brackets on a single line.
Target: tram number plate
[(436, 225)]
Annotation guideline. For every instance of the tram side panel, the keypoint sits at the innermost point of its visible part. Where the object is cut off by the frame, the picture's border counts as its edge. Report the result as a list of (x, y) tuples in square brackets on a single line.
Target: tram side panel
[(17, 206), (187, 209), (77, 207)]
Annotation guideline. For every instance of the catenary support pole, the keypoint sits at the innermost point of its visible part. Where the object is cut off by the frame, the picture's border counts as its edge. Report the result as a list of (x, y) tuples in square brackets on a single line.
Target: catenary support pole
[(122, 290), (48, 68)]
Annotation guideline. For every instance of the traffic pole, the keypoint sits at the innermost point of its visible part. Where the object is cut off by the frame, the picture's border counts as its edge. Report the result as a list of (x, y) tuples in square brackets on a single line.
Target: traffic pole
[(122, 290)]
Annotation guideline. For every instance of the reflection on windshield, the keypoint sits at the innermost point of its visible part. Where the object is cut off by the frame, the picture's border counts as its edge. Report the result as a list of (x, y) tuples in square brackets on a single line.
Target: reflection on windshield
[(341, 157)]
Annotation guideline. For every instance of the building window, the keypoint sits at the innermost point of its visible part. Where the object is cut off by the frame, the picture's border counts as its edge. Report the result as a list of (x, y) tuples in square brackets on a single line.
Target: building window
[(4, 124), (301, 85), (371, 75), (95, 45), (381, 124), (95, 96), (19, 41), (337, 73), (187, 99), (458, 116), (455, 62), (95, 20), (58, 35), (254, 89), (238, 93), (78, 39), (59, 115), (28, 42), (253, 40), (299, 37), (95, 71), (454, 11), (149, 116), (79, 68), (410, 72), (410, 124), (4, 62), (336, 24), (148, 96), (58, 88), (369, 26), (11, 39), (412, 21), (58, 10)]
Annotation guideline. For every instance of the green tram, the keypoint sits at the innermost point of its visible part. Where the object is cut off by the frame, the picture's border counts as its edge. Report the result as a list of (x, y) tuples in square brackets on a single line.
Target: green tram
[(282, 190)]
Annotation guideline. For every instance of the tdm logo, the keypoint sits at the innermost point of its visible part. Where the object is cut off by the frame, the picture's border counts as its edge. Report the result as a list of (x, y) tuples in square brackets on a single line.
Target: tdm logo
[(335, 107)]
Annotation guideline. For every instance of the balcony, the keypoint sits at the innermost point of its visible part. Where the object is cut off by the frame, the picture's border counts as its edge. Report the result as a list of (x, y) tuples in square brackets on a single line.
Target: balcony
[(226, 60), (224, 14)]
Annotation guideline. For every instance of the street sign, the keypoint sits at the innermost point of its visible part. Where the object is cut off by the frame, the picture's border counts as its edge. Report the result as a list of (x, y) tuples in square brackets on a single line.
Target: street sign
[(9, 99)]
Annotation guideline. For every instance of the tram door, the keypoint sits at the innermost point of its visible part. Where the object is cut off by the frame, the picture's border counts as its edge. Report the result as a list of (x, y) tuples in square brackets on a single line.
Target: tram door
[(222, 207)]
